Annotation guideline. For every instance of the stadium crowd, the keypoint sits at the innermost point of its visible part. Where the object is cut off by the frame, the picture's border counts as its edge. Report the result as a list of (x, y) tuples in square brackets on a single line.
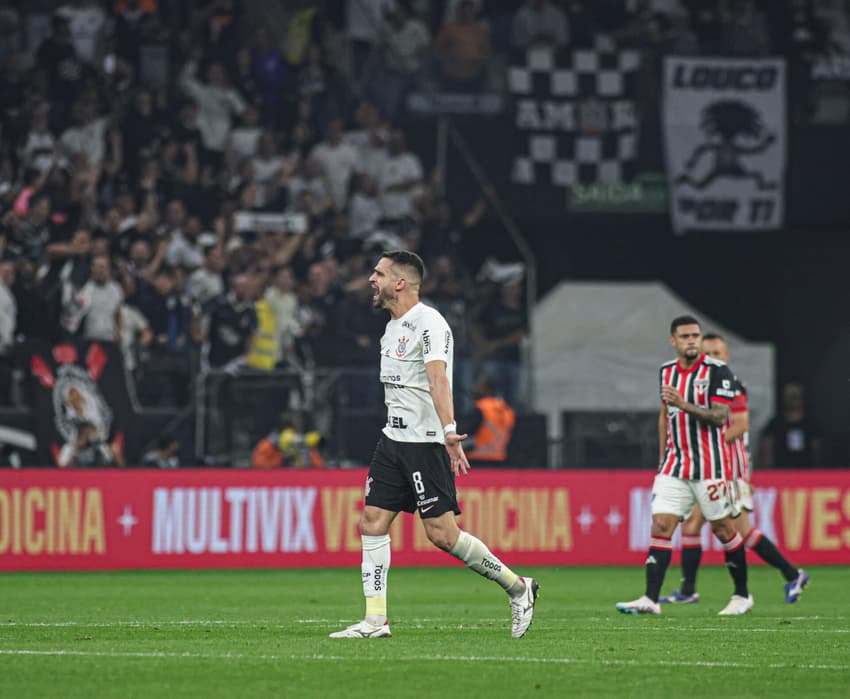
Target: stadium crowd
[(207, 182)]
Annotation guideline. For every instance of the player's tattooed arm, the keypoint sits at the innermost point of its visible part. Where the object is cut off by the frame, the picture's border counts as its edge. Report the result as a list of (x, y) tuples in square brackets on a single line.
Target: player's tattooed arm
[(716, 415)]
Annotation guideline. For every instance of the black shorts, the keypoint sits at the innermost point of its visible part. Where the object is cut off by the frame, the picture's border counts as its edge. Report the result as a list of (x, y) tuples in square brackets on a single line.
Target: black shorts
[(410, 476)]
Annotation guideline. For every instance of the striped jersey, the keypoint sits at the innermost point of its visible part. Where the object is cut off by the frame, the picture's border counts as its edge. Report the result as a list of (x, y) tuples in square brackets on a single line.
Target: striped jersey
[(697, 450), (739, 449)]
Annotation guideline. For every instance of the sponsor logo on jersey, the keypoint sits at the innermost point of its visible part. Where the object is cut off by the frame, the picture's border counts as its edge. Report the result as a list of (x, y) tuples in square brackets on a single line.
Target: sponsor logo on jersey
[(426, 341), (397, 423), (369, 485), (401, 350), (410, 326), (448, 342)]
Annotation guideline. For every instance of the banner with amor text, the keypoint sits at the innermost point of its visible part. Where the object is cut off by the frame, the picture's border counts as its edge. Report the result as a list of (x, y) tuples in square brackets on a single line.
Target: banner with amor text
[(112, 519)]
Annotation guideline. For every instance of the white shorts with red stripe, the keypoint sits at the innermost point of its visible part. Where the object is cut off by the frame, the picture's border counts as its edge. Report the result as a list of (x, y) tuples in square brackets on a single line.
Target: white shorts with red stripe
[(675, 496), (743, 495)]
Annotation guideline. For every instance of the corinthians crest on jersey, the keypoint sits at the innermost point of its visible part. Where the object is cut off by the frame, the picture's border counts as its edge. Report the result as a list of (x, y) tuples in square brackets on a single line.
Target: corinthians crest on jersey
[(406, 348)]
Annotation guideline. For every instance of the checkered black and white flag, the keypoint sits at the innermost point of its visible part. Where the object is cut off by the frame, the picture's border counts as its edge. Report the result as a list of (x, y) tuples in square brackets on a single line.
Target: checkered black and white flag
[(575, 116)]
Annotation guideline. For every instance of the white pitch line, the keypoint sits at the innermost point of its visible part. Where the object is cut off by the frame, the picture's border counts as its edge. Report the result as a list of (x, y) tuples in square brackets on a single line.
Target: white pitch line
[(481, 623), (416, 623), (223, 624), (113, 624), (762, 618), (807, 618), (423, 658), (722, 629), (415, 620)]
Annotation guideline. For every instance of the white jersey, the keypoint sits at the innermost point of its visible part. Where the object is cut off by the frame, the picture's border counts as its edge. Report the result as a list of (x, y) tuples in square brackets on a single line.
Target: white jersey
[(420, 336)]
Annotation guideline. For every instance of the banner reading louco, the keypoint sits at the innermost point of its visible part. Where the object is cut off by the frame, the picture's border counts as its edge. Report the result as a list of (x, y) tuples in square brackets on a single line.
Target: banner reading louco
[(76, 520), (725, 141)]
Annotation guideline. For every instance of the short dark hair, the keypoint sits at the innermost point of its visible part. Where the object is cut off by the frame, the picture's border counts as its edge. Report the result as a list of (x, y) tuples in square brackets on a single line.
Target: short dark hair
[(713, 336), (682, 320), (407, 259)]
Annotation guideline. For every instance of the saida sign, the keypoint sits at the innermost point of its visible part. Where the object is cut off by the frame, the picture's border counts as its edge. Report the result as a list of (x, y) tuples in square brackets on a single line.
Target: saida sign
[(647, 193)]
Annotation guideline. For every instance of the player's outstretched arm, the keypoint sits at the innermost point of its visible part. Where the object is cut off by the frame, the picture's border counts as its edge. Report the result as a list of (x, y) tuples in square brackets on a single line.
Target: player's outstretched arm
[(441, 395), (460, 464)]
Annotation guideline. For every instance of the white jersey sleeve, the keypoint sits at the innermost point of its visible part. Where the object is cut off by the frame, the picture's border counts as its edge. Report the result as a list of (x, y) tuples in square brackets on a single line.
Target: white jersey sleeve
[(437, 341), (419, 337)]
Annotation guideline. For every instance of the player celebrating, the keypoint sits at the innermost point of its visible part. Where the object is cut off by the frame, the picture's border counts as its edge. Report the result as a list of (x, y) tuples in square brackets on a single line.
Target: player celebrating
[(420, 451), (696, 392), (737, 438)]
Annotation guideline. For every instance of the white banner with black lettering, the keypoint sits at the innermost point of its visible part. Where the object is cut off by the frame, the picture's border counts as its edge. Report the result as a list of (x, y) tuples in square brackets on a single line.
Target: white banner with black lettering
[(725, 138)]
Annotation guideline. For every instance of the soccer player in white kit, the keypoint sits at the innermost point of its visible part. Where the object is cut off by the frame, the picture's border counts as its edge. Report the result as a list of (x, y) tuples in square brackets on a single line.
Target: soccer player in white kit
[(419, 452)]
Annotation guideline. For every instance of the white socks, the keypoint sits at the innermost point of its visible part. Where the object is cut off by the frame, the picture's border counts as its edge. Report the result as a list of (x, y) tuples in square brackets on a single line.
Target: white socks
[(479, 558), (375, 566)]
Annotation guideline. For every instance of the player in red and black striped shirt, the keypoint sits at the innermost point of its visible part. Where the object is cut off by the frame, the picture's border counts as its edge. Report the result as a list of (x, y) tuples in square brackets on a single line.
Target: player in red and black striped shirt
[(754, 539), (696, 395)]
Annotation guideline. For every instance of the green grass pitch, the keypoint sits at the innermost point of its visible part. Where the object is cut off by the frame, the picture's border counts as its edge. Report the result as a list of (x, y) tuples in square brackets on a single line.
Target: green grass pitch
[(264, 634)]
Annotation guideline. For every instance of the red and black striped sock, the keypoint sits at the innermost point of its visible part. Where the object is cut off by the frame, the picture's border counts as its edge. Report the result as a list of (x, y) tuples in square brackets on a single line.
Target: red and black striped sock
[(691, 558), (736, 562), (764, 547), (660, 552)]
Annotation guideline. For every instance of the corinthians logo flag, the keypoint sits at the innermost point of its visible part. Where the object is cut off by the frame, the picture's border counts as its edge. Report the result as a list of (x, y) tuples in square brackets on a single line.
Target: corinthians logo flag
[(73, 383), (725, 142)]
